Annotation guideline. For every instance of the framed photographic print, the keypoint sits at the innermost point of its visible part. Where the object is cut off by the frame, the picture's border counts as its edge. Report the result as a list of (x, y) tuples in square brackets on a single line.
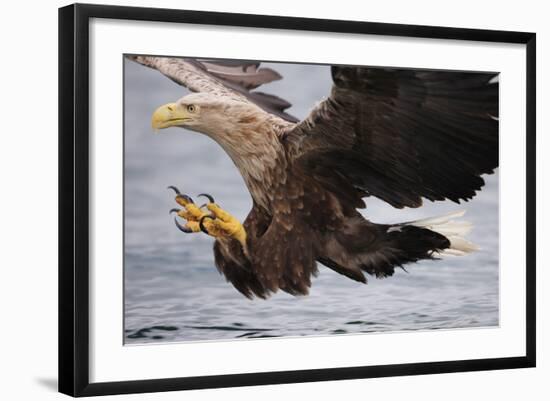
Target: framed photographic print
[(250, 199)]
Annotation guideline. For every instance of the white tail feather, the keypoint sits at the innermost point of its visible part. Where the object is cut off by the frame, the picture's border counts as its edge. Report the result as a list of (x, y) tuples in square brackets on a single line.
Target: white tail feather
[(453, 230)]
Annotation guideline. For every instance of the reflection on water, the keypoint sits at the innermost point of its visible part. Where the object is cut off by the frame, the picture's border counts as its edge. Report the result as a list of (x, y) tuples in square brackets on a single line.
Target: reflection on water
[(174, 293)]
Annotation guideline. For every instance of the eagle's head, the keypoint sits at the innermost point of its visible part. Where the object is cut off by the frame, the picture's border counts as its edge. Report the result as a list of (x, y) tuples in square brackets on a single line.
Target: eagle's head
[(246, 133), (207, 113)]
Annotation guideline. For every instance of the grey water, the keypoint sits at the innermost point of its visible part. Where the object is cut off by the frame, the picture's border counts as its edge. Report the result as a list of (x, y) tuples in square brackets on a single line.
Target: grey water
[(173, 292)]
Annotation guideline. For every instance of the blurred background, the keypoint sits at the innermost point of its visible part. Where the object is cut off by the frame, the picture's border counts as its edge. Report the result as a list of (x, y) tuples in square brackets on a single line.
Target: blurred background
[(173, 291)]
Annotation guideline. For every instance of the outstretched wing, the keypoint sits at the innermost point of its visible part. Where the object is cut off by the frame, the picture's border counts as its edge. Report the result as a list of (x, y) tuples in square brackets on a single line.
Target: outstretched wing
[(401, 135), (236, 80)]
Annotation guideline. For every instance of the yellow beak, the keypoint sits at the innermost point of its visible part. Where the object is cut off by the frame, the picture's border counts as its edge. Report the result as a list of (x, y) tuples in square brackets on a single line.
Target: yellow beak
[(169, 115)]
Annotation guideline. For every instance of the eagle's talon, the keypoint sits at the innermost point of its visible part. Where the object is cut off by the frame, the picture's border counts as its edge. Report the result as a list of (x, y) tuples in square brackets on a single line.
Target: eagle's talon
[(189, 212), (201, 223), (177, 191), (221, 225), (210, 197), (186, 199), (179, 195), (182, 228)]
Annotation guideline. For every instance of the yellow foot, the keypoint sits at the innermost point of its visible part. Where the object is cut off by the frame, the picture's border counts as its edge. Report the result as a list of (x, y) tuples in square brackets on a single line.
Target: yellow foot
[(213, 221)]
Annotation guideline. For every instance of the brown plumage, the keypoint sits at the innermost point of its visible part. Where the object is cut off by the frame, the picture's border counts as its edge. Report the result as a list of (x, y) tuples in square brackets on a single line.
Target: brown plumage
[(399, 135)]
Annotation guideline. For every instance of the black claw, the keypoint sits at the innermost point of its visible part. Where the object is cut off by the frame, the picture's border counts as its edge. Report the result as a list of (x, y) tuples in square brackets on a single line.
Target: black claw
[(182, 228), (175, 210), (201, 225), (210, 197), (177, 191), (186, 197)]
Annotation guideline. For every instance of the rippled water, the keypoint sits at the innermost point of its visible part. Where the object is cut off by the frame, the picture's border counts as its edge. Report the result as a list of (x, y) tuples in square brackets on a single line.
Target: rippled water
[(174, 293)]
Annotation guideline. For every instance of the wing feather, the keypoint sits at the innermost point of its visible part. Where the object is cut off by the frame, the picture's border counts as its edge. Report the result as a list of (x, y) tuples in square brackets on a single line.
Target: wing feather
[(402, 135), (230, 79), (247, 75)]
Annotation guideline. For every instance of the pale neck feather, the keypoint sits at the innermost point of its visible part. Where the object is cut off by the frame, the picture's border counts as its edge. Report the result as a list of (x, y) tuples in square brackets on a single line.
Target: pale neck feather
[(257, 152)]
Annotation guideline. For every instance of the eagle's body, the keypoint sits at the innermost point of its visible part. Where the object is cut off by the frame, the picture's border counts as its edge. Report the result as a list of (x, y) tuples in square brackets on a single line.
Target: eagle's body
[(399, 135), (302, 217)]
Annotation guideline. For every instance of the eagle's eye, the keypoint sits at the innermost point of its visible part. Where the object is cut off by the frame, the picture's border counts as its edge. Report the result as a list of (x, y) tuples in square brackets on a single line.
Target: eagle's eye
[(191, 108)]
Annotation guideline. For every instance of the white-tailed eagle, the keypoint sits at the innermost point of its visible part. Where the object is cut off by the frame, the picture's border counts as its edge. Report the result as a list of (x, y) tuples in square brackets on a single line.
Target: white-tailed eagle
[(399, 135)]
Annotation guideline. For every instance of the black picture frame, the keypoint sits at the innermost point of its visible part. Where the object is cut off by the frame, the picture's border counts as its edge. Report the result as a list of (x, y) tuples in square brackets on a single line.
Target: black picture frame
[(74, 198)]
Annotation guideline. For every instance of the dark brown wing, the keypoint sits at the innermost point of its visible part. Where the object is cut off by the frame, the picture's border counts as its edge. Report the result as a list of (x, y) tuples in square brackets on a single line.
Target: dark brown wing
[(231, 262), (285, 255), (229, 78), (402, 135)]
